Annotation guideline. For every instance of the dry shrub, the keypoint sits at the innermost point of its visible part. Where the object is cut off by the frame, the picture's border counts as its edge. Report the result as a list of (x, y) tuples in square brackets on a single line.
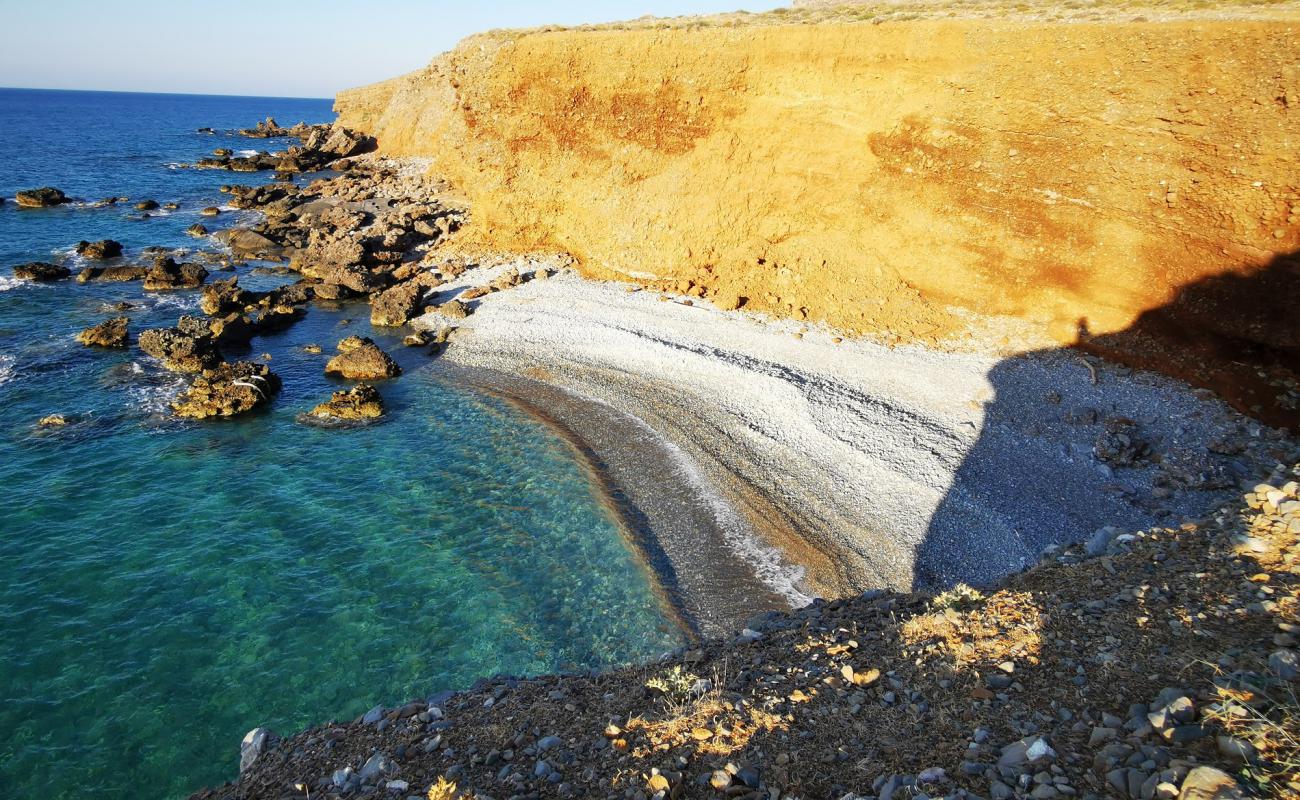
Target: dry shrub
[(1004, 626)]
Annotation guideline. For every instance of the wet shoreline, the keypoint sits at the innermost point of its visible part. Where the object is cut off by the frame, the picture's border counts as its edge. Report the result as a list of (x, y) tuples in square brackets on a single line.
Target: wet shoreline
[(669, 515)]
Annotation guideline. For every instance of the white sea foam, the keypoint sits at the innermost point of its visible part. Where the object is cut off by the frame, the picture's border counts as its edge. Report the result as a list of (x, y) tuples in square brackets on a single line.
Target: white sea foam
[(153, 395), (7, 369), (245, 153), (771, 569), (184, 302), (7, 283)]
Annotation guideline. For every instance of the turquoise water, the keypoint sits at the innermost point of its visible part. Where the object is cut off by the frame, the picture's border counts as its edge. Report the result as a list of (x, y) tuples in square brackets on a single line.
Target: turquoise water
[(166, 586)]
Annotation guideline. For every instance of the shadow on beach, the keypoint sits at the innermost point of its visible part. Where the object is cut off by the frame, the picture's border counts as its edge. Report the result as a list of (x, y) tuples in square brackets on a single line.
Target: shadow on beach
[(1235, 334)]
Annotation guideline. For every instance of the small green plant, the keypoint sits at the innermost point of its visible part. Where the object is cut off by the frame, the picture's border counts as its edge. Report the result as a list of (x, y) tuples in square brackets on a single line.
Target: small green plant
[(958, 598), (676, 683)]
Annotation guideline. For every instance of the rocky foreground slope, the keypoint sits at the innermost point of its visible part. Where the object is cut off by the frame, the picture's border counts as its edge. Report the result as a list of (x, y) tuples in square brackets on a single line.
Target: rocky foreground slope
[(1156, 664)]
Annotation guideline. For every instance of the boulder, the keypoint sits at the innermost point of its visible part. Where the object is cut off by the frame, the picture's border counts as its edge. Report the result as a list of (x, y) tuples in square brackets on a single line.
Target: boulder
[(41, 271), (111, 274), (226, 390), (100, 250), (275, 318), (359, 402), (1208, 783), (351, 276), (167, 274), (333, 291), (53, 421), (397, 305), (507, 280), (112, 333), (197, 230), (231, 330), (41, 198), (293, 294), (361, 359), (181, 350), (221, 297), (210, 211), (454, 309), (248, 244), (146, 205)]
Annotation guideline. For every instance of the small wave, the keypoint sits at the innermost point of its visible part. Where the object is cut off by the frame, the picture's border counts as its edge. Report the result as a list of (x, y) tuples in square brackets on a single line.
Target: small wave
[(185, 302), (8, 370), (246, 153), (7, 283), (154, 392), (766, 561)]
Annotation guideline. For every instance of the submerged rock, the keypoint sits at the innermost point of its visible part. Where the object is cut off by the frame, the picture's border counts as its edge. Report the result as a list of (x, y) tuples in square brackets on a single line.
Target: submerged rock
[(52, 421), (100, 250), (359, 402), (44, 197), (227, 390), (41, 271), (361, 359), (112, 333)]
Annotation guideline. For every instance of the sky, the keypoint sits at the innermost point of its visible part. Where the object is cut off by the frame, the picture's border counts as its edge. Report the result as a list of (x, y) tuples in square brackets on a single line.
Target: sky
[(271, 47)]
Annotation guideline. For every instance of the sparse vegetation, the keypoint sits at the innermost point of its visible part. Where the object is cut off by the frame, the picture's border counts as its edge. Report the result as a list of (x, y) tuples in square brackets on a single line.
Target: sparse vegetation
[(883, 11)]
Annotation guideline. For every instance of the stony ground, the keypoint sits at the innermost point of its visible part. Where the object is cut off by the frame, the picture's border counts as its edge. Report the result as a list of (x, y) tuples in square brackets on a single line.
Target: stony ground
[(1162, 665)]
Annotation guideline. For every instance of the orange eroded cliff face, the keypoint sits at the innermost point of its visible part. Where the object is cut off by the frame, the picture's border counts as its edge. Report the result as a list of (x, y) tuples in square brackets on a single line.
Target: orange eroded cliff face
[(905, 178)]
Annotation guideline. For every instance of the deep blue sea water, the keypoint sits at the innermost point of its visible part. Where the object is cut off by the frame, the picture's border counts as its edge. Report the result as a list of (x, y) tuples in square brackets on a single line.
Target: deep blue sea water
[(166, 586)]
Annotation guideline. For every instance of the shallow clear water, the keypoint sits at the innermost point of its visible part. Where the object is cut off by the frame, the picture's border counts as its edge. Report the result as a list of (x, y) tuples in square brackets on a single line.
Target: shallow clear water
[(166, 586)]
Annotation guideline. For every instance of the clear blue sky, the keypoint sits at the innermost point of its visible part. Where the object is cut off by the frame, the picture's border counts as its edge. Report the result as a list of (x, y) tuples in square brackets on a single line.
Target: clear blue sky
[(308, 48)]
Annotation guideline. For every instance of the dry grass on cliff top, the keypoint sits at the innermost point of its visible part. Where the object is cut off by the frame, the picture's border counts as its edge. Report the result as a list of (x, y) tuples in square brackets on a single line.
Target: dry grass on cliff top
[(879, 12)]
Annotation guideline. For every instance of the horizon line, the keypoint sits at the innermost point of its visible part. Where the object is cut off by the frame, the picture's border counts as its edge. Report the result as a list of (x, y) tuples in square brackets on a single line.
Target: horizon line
[(177, 94)]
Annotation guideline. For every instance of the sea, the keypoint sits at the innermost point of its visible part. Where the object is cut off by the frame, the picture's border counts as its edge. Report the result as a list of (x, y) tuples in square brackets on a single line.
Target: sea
[(166, 586)]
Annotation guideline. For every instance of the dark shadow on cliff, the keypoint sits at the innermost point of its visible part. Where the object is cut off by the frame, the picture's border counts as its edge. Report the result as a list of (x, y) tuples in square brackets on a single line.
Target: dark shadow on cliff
[(1077, 438)]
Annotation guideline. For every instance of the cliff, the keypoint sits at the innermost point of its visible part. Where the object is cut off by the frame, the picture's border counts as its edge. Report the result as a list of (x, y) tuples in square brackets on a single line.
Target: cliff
[(888, 178)]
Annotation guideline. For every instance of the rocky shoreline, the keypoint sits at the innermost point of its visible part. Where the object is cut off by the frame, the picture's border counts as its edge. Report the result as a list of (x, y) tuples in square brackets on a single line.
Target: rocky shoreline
[(838, 476)]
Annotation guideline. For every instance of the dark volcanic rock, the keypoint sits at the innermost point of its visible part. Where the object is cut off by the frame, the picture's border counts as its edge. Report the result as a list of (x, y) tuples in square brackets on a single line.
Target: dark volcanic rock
[(187, 350), (227, 390), (167, 274), (41, 198), (146, 205), (100, 250), (41, 271), (361, 359), (112, 333), (197, 230)]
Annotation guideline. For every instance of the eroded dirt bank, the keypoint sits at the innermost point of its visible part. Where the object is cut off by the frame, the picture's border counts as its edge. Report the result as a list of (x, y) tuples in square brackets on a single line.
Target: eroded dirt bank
[(907, 179)]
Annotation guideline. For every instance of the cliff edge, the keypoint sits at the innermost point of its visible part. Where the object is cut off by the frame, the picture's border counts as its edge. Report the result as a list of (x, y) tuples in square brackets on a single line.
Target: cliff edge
[(934, 180)]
